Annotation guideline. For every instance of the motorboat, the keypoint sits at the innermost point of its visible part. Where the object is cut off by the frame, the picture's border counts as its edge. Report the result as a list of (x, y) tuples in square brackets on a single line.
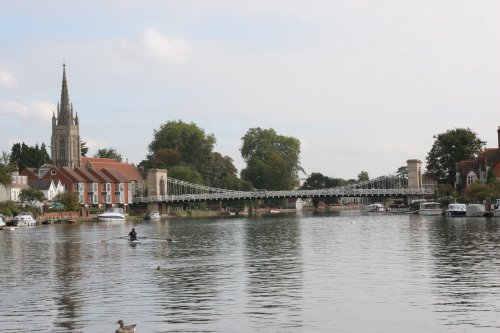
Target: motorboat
[(2, 223), (111, 215), (476, 210), (375, 208), (153, 215), (430, 208), (24, 219), (456, 209)]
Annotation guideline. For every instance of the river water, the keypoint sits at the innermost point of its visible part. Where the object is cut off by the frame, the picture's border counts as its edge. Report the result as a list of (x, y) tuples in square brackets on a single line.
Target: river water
[(283, 273)]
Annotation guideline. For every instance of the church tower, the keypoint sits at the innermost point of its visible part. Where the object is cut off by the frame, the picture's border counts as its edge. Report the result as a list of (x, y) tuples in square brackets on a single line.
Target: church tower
[(65, 146)]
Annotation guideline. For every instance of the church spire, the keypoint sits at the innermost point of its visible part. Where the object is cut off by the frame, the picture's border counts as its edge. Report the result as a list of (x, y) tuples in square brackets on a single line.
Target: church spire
[(64, 112)]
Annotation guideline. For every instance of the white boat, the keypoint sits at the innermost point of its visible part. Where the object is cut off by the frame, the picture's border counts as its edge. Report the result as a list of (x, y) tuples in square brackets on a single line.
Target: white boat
[(456, 209), (111, 214), (153, 215), (430, 208), (375, 208), (24, 219), (476, 210), (496, 212), (2, 223)]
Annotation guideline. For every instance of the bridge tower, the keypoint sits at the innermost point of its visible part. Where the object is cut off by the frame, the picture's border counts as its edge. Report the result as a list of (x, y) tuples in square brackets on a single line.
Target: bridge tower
[(414, 175), (157, 189)]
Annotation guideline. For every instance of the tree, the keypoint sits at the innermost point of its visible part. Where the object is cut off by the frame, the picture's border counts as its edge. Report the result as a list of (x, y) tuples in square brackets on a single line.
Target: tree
[(272, 160), (69, 200), (108, 153), (448, 148), (363, 176), (84, 148), (188, 141), (31, 196), (5, 169), (317, 181), (478, 192), (25, 156), (186, 174)]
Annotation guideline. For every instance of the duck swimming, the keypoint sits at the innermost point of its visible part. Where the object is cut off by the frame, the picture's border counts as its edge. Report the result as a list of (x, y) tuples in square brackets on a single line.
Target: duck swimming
[(125, 329)]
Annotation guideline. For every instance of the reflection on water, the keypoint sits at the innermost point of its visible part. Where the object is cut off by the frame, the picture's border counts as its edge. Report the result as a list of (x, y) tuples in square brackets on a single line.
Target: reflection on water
[(304, 273)]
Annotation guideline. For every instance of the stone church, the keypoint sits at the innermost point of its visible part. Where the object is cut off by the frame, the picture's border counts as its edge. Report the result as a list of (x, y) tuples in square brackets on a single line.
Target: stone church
[(65, 149)]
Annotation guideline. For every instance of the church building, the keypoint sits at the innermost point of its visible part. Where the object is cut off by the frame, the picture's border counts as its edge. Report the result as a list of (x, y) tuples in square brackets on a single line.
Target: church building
[(65, 149)]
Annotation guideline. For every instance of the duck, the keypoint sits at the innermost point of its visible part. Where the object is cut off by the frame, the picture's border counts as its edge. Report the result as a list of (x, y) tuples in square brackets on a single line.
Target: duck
[(125, 329)]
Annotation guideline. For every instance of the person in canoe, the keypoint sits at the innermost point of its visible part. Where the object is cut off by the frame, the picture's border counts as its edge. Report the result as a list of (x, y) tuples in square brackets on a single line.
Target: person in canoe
[(132, 235)]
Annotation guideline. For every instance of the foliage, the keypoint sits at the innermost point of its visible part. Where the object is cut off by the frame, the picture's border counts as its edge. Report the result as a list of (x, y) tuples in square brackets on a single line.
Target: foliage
[(6, 170), (186, 174), (187, 152), (272, 160), (317, 181), (8, 208), (31, 196), (109, 153), (448, 148), (69, 200), (25, 156), (478, 192), (444, 190), (187, 140), (84, 149), (363, 176)]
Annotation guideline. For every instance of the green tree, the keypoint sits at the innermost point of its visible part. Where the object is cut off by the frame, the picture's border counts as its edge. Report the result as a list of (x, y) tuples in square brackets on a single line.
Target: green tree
[(272, 160), (5, 169), (363, 176), (69, 200), (25, 156), (109, 153), (84, 149), (188, 140), (186, 174), (317, 180), (448, 148), (31, 196), (478, 192)]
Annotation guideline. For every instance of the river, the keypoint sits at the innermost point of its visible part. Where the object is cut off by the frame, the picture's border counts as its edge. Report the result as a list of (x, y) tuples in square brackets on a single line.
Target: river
[(351, 272)]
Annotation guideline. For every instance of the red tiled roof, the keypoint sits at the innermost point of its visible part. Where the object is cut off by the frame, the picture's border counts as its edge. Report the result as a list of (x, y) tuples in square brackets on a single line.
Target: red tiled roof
[(72, 175), (128, 170), (89, 177)]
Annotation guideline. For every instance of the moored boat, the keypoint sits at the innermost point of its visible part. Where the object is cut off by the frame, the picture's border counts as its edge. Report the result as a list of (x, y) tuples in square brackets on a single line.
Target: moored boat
[(24, 219), (476, 210), (430, 208), (153, 215), (111, 215), (375, 208), (456, 209)]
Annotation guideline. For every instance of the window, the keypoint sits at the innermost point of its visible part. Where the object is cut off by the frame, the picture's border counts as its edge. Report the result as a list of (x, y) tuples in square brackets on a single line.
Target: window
[(95, 198), (94, 187), (108, 198), (471, 178), (121, 187), (81, 198), (80, 187), (108, 187)]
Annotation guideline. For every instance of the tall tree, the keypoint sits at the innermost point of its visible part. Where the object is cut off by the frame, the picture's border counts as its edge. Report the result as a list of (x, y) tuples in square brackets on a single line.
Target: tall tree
[(188, 141), (25, 156), (109, 153), (450, 147), (84, 148), (5, 169), (272, 159)]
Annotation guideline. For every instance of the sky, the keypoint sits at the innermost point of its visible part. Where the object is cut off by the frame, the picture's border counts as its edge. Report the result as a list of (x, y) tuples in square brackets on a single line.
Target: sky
[(363, 84)]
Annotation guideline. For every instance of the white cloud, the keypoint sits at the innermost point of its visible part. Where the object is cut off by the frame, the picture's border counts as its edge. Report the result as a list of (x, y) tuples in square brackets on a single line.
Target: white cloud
[(35, 112), (7, 80), (164, 49)]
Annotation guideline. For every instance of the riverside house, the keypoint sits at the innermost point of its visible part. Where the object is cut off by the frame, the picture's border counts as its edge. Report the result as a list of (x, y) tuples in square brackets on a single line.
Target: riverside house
[(100, 183)]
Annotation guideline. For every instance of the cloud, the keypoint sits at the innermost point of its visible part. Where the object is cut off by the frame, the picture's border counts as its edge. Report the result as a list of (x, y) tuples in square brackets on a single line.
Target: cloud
[(32, 113), (7, 80), (156, 47), (161, 48)]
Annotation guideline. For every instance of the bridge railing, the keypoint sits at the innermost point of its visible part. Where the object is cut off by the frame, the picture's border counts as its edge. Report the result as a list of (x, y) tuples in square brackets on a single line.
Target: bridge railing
[(251, 195)]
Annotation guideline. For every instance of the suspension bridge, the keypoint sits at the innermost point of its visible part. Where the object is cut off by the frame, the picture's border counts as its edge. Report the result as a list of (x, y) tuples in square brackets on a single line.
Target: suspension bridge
[(163, 189)]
